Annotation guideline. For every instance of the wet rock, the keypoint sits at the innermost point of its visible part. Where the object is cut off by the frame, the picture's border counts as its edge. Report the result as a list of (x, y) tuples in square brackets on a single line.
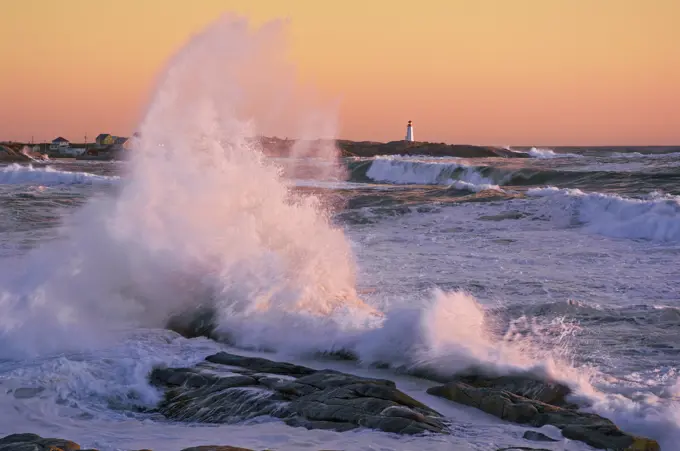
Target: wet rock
[(216, 448), (537, 437), (259, 365), (589, 428), (231, 388), (549, 392), (199, 322), (27, 392), (340, 354), (33, 442), (503, 216), (522, 448), (528, 386)]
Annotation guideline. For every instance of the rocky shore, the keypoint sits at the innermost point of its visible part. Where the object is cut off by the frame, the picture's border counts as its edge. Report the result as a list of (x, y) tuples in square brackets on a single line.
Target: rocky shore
[(229, 388), (283, 147), (371, 149), (11, 153)]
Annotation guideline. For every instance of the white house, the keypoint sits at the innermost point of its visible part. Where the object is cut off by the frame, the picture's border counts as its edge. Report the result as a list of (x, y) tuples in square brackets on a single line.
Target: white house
[(59, 145), (120, 142)]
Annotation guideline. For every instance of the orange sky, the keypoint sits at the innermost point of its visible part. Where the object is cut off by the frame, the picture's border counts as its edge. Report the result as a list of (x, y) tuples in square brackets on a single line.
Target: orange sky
[(543, 72)]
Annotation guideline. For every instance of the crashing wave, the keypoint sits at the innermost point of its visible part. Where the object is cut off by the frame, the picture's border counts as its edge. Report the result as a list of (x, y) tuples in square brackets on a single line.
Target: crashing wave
[(636, 155), (16, 174), (656, 219), (547, 154), (411, 171)]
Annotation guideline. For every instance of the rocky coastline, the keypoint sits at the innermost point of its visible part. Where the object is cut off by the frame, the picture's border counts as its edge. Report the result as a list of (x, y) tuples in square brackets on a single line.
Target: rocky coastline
[(372, 149), (18, 153), (228, 388), (366, 149), (272, 146)]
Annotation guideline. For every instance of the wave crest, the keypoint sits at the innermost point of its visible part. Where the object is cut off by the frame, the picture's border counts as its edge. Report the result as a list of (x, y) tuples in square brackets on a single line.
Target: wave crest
[(402, 171), (17, 174), (657, 219)]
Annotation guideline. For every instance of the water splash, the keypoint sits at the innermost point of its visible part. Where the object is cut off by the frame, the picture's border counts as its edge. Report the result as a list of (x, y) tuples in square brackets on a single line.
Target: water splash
[(201, 217)]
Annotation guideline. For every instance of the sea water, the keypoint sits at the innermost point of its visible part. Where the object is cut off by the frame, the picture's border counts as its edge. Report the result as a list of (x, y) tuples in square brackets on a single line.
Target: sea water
[(563, 263)]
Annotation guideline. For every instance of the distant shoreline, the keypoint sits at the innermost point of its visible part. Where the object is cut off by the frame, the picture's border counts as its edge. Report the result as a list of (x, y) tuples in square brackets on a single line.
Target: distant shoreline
[(25, 152)]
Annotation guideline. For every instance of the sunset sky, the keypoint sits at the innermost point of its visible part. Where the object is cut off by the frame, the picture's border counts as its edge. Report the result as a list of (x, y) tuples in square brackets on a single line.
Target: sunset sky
[(518, 72)]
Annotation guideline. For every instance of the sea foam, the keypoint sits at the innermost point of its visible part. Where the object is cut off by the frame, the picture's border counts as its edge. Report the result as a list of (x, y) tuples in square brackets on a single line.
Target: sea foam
[(222, 226), (16, 174), (546, 154), (656, 219)]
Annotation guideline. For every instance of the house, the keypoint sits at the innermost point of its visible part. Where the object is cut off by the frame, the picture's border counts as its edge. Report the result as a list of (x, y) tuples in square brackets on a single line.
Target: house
[(120, 142), (59, 145), (104, 139)]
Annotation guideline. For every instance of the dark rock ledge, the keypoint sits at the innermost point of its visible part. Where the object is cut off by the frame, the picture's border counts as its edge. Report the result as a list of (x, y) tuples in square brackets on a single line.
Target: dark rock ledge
[(535, 403), (520, 398), (228, 388), (33, 442)]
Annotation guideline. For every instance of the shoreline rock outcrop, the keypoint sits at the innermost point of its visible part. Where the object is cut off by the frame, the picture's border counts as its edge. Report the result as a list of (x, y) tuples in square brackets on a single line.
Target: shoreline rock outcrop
[(518, 398), (34, 442), (228, 388), (534, 405), (371, 149), (17, 153), (281, 147)]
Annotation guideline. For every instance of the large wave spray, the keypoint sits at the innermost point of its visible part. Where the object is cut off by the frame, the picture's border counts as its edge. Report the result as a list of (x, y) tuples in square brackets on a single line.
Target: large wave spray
[(202, 217)]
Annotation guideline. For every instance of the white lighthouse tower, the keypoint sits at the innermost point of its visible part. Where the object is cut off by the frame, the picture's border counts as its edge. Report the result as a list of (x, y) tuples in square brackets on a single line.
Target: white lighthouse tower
[(409, 132)]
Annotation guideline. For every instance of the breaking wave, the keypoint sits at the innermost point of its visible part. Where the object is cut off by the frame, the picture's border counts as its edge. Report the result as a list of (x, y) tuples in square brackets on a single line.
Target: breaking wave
[(637, 155), (656, 219), (400, 171), (16, 174), (462, 175), (226, 229), (536, 152), (223, 227)]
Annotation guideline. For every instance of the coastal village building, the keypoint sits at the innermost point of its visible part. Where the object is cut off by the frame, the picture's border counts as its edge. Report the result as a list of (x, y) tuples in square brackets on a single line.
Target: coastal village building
[(59, 145), (120, 142), (62, 147), (107, 140), (104, 139)]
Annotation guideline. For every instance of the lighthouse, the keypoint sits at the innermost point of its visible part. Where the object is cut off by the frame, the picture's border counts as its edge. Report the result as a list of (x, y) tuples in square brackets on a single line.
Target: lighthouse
[(409, 132)]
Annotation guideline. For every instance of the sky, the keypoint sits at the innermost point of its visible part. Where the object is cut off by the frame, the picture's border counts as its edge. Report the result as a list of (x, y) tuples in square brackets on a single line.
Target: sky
[(496, 72)]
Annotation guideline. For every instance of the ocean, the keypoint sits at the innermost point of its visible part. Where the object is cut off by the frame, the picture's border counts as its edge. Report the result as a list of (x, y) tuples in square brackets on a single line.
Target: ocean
[(561, 264), (564, 263)]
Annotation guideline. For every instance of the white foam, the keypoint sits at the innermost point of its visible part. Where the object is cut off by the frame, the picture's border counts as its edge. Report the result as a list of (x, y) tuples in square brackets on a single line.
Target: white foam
[(336, 185), (657, 219), (16, 174), (545, 154), (416, 171), (637, 155), (223, 226)]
